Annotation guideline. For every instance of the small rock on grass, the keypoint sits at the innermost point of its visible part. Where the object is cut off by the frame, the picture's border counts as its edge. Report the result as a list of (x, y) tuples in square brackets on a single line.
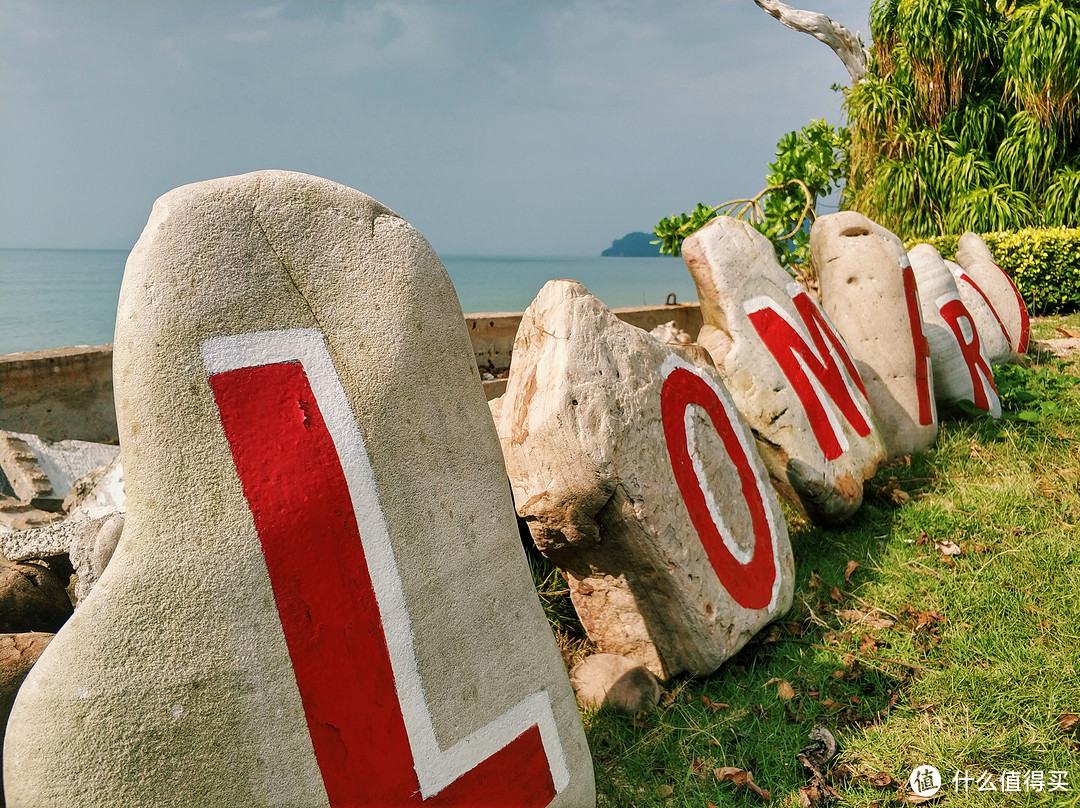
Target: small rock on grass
[(618, 682)]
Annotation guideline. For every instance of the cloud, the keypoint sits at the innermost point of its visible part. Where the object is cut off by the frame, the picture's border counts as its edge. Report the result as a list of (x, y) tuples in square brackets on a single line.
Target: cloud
[(575, 121)]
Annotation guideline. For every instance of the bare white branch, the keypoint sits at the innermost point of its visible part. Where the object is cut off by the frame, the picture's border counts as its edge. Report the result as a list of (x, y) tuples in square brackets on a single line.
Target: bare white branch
[(845, 44)]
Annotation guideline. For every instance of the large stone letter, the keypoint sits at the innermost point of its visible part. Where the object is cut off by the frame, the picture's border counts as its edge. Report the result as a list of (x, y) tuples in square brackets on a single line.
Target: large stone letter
[(998, 288), (992, 333), (639, 479), (312, 479), (790, 375), (868, 290), (961, 365)]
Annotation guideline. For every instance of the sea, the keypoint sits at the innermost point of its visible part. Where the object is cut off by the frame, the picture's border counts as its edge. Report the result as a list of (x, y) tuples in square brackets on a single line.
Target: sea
[(58, 298)]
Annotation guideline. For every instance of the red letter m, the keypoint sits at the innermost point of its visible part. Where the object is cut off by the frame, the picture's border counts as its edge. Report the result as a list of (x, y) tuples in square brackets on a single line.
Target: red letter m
[(811, 354)]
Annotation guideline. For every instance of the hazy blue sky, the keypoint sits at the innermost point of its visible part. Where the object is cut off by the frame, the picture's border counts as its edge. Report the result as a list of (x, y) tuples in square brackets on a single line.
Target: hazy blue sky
[(512, 127)]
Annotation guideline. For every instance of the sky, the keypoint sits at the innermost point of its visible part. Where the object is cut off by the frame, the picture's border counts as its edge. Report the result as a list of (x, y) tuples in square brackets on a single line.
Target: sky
[(496, 127)]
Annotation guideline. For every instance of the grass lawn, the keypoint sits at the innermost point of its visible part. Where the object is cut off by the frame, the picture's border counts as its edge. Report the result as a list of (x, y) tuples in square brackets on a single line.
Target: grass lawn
[(940, 626)]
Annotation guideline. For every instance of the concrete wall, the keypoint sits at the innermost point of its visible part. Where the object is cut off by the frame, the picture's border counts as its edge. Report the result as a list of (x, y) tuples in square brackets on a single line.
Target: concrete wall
[(493, 334), (67, 393)]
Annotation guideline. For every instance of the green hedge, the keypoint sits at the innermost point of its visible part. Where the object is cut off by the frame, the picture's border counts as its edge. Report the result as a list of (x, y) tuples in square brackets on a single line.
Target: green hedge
[(1044, 263)]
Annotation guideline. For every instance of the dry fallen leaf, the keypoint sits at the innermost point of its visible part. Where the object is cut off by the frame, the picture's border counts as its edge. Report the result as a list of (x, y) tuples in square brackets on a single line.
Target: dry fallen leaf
[(741, 777), (851, 567), (1068, 721), (699, 767), (714, 705), (867, 619), (835, 595), (879, 779), (785, 691), (947, 548), (915, 799), (867, 644), (1068, 333)]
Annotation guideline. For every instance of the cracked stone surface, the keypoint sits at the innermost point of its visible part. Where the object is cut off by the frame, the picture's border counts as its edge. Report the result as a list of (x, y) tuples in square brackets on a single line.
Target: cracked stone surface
[(790, 374), (637, 477)]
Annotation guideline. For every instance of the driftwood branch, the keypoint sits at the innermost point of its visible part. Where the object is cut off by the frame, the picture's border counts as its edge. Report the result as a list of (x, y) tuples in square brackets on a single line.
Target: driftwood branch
[(845, 44)]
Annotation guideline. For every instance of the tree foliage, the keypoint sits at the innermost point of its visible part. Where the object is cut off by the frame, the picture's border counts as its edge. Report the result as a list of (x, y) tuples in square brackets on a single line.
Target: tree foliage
[(969, 118), (809, 164)]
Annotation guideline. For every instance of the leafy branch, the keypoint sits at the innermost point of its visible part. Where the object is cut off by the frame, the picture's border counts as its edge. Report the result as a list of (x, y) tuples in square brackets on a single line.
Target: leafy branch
[(809, 164), (673, 230)]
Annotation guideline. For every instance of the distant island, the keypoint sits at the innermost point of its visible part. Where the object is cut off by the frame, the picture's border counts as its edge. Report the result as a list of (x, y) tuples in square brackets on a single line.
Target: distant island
[(633, 245)]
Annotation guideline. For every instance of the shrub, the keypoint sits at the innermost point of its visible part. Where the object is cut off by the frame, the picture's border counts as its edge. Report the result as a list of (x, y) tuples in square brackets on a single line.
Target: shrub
[(1044, 263)]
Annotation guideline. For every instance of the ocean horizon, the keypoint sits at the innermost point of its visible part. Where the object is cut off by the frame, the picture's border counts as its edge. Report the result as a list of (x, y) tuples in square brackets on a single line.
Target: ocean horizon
[(56, 298)]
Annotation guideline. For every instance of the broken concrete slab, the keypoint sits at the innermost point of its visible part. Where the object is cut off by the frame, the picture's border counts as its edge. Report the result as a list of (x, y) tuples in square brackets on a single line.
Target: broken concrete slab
[(42, 472)]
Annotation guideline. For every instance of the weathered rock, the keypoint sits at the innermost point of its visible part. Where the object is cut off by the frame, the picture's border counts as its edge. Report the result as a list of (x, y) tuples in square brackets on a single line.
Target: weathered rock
[(298, 402), (615, 682), (638, 478), (670, 333), (962, 371), (16, 516), (868, 291), (997, 287), (42, 472), (23, 471), (91, 549), (98, 493), (790, 374), (18, 653), (51, 540), (992, 334), (32, 598)]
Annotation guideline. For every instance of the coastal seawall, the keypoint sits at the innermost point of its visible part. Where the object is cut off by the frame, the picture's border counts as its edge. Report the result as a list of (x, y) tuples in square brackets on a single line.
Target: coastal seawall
[(67, 393), (59, 394)]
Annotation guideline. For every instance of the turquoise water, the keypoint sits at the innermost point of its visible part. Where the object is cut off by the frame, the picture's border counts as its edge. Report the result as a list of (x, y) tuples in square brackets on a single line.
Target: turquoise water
[(56, 298)]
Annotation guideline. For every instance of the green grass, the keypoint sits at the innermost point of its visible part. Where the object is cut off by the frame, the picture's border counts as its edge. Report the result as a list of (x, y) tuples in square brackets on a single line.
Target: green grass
[(1046, 327), (966, 662)]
